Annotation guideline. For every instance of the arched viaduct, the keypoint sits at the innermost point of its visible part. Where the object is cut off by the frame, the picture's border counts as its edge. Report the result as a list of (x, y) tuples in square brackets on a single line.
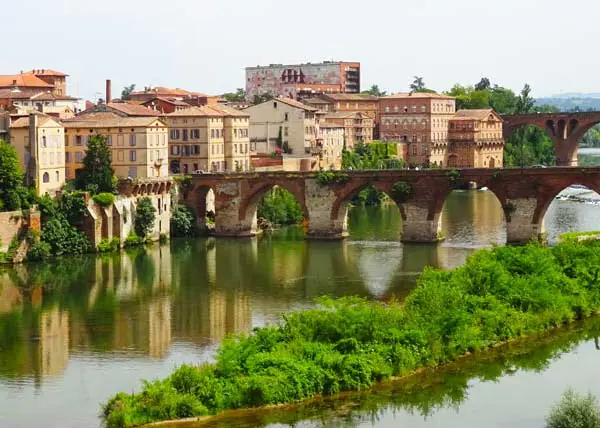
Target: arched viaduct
[(524, 194), (565, 130)]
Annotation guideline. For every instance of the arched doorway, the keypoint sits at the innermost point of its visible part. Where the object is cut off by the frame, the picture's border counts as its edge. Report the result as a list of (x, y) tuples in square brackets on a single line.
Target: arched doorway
[(492, 162)]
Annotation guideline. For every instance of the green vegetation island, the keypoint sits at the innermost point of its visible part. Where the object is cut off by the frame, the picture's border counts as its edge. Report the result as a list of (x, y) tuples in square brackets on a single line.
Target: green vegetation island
[(350, 344)]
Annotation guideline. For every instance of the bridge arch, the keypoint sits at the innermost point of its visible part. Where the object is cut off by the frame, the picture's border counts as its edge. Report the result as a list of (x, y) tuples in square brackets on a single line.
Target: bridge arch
[(201, 200), (549, 195)]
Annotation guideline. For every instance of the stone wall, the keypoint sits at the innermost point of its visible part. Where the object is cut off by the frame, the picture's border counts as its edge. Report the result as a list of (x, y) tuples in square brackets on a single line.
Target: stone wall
[(15, 224)]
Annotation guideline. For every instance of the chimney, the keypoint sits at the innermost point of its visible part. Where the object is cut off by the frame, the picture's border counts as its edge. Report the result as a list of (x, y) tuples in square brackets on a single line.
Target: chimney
[(108, 91)]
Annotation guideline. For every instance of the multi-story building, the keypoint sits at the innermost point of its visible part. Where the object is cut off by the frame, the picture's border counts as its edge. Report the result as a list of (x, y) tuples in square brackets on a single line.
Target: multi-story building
[(330, 144), (474, 141), (39, 141), (26, 102), (303, 80), (57, 79), (295, 123), (417, 119), (354, 103), (209, 138), (139, 145), (358, 127)]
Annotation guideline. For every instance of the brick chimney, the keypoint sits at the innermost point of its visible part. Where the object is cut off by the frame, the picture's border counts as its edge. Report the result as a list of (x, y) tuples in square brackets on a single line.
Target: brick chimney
[(108, 91)]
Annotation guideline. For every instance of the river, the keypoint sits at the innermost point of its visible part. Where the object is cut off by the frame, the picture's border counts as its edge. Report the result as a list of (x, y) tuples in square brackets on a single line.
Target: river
[(75, 331)]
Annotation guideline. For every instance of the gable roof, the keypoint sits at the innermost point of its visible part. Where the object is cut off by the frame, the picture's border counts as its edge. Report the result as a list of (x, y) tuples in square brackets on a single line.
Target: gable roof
[(172, 101), (476, 114), (23, 122), (106, 119), (46, 72), (296, 104), (132, 109)]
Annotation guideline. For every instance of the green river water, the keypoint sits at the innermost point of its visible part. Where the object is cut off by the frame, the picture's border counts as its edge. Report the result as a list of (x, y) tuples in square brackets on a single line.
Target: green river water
[(75, 331)]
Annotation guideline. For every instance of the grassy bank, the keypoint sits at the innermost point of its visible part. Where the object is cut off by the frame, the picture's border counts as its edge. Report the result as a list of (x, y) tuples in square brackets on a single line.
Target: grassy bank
[(350, 344)]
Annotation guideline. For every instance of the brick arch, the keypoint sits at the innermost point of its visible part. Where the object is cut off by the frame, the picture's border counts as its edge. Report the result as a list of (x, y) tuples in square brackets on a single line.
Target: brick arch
[(349, 191), (196, 200), (256, 192), (549, 194)]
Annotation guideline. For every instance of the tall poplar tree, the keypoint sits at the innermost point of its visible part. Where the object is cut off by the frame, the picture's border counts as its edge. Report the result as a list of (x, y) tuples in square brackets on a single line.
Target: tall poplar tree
[(97, 173)]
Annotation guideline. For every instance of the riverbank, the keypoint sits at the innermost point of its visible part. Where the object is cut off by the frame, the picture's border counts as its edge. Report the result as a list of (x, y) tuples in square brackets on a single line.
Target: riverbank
[(351, 344)]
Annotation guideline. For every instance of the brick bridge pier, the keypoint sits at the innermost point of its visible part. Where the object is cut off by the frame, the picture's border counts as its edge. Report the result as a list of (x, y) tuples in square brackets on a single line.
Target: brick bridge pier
[(524, 194)]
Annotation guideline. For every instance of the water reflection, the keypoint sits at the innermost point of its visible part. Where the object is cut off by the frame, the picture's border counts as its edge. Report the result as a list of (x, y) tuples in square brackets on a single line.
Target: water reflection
[(75, 331)]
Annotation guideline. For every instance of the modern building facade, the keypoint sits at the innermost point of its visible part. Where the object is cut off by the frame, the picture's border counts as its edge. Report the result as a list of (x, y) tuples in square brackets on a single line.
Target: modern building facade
[(139, 145), (39, 142), (303, 80), (209, 138)]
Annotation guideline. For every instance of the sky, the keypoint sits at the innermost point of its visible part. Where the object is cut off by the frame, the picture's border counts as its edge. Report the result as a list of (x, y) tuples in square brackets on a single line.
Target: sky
[(205, 45)]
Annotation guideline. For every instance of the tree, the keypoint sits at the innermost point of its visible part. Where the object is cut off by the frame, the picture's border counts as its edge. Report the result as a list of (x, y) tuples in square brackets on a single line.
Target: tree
[(374, 90), (259, 99), (11, 177), (145, 215), (238, 96), (417, 85), (483, 85), (97, 173), (524, 102), (126, 92)]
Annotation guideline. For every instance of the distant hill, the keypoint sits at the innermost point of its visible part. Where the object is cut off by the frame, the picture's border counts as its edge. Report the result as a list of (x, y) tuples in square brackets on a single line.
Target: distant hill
[(572, 101)]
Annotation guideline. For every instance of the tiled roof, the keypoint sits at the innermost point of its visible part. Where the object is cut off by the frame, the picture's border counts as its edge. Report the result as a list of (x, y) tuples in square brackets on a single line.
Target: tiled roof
[(32, 94), (133, 109), (227, 111), (421, 95), (164, 91), (297, 104), (46, 72), (49, 96), (479, 114), (23, 122), (108, 120), (22, 80), (208, 111), (316, 100), (172, 101), (351, 97)]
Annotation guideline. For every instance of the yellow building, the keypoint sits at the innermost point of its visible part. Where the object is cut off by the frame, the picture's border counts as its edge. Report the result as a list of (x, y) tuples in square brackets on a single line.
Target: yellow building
[(331, 144), (39, 142), (209, 138), (138, 144)]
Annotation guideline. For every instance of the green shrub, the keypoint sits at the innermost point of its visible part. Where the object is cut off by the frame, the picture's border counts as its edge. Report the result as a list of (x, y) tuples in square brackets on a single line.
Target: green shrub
[(39, 251), (145, 215), (325, 178), (109, 245), (575, 411), (104, 199), (280, 207), (72, 206), (163, 238), (401, 191), (63, 237), (350, 343), (183, 222), (133, 240)]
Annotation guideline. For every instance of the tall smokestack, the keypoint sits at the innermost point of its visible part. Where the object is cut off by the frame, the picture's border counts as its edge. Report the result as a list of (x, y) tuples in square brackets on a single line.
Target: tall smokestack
[(108, 91)]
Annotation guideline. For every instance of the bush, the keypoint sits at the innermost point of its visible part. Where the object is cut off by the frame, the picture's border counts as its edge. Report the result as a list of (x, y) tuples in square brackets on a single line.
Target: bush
[(133, 240), (104, 199), (109, 245), (350, 343), (280, 207), (145, 215), (575, 411), (39, 251), (64, 238), (401, 191), (183, 222), (72, 206), (325, 178)]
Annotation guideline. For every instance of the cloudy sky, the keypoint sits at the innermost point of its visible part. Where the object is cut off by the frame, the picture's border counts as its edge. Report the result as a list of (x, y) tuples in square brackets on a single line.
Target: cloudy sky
[(204, 45)]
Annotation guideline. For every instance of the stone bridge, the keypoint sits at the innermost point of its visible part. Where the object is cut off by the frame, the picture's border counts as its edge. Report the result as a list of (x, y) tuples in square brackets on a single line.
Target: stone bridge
[(565, 130), (524, 194)]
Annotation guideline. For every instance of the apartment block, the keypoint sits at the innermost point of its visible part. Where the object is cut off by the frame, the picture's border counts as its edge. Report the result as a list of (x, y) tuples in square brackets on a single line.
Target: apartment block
[(139, 145), (209, 138), (39, 142), (330, 143), (358, 127), (303, 80)]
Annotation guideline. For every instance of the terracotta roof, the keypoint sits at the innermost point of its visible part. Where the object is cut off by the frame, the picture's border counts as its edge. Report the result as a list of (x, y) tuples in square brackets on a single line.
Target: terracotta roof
[(172, 101), (23, 122), (161, 90), (227, 111), (46, 72), (133, 109), (31, 94), (49, 96), (419, 95), (196, 111), (297, 104), (22, 80), (351, 97), (474, 114), (316, 100), (107, 120)]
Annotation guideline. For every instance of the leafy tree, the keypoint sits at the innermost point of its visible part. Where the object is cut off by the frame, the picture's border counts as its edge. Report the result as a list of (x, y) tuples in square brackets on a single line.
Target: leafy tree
[(280, 207), (374, 90), (145, 215), (183, 222), (524, 102), (503, 100), (97, 173), (11, 177), (259, 99), (575, 411), (237, 96), (483, 85), (126, 92), (418, 85)]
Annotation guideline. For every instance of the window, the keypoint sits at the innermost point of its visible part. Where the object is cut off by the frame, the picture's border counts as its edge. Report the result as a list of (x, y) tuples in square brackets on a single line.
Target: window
[(196, 151), (424, 149), (132, 156), (57, 175), (185, 135), (174, 134), (132, 172), (414, 108), (286, 131), (44, 144), (235, 148), (396, 108), (405, 109), (78, 141), (414, 149), (46, 178), (212, 133), (109, 140), (132, 141), (387, 109), (78, 156), (423, 108), (286, 117), (67, 157)]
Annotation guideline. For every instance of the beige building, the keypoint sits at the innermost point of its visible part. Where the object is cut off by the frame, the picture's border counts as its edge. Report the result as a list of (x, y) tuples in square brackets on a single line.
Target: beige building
[(39, 142), (330, 143), (208, 138), (358, 127), (138, 144), (297, 123)]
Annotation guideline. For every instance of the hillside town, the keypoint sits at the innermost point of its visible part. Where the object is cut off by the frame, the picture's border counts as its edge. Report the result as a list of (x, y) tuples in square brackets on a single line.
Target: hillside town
[(291, 118)]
